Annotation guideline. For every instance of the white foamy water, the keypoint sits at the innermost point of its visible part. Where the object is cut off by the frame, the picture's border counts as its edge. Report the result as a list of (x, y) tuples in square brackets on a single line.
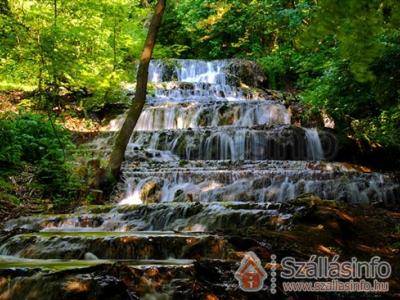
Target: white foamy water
[(196, 117), (314, 146), (194, 71)]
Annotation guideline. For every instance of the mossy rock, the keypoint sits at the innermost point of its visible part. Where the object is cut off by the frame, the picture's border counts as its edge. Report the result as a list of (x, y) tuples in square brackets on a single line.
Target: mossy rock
[(151, 191), (182, 196), (245, 72)]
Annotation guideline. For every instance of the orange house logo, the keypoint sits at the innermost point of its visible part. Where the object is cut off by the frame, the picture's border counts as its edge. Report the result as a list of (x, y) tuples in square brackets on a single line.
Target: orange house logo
[(251, 274)]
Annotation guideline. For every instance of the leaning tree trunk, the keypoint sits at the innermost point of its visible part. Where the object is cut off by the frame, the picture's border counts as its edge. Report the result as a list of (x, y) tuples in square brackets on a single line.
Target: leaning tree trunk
[(118, 153)]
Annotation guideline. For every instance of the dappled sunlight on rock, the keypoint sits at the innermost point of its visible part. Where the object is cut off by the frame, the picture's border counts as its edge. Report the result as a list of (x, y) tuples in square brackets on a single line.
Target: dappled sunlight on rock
[(325, 250), (77, 286)]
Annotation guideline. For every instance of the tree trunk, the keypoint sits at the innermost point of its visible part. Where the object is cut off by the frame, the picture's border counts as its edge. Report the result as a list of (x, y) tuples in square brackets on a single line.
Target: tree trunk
[(118, 153)]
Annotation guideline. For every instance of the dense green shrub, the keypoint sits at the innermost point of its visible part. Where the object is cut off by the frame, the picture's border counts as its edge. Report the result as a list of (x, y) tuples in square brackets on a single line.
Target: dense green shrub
[(32, 139)]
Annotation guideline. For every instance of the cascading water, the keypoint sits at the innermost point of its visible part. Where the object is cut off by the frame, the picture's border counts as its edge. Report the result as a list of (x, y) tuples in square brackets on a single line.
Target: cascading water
[(207, 158), (314, 149), (195, 71), (240, 113), (204, 121)]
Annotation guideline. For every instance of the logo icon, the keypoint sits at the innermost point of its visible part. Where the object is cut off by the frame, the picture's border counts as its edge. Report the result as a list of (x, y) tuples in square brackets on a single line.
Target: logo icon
[(251, 274)]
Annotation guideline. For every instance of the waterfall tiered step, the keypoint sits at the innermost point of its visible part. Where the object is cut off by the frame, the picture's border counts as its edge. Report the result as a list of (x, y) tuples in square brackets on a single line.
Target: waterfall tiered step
[(115, 245), (160, 219), (12, 262), (192, 114), (256, 182), (282, 142)]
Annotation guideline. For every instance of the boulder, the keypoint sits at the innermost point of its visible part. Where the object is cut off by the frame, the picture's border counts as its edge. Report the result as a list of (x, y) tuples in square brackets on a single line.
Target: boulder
[(151, 191), (244, 72)]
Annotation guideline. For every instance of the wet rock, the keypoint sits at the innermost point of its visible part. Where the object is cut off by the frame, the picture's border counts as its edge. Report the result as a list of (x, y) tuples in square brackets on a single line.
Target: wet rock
[(90, 246), (257, 143), (90, 256), (92, 283), (150, 191), (182, 196), (245, 72)]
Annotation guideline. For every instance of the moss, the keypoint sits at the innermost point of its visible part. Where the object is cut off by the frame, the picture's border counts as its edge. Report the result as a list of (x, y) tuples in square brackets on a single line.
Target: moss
[(97, 209), (181, 147), (83, 234), (170, 66), (182, 162), (227, 117), (204, 119), (51, 265), (395, 245), (61, 265), (10, 198), (129, 208)]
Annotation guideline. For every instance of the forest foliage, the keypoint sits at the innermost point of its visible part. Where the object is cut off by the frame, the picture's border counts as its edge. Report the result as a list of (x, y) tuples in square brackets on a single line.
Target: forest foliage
[(39, 153), (340, 57)]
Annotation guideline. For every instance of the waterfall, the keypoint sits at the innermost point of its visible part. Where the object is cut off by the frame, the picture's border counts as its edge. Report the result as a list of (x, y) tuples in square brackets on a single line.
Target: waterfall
[(134, 197), (314, 146), (195, 71), (235, 114), (207, 163), (201, 138)]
